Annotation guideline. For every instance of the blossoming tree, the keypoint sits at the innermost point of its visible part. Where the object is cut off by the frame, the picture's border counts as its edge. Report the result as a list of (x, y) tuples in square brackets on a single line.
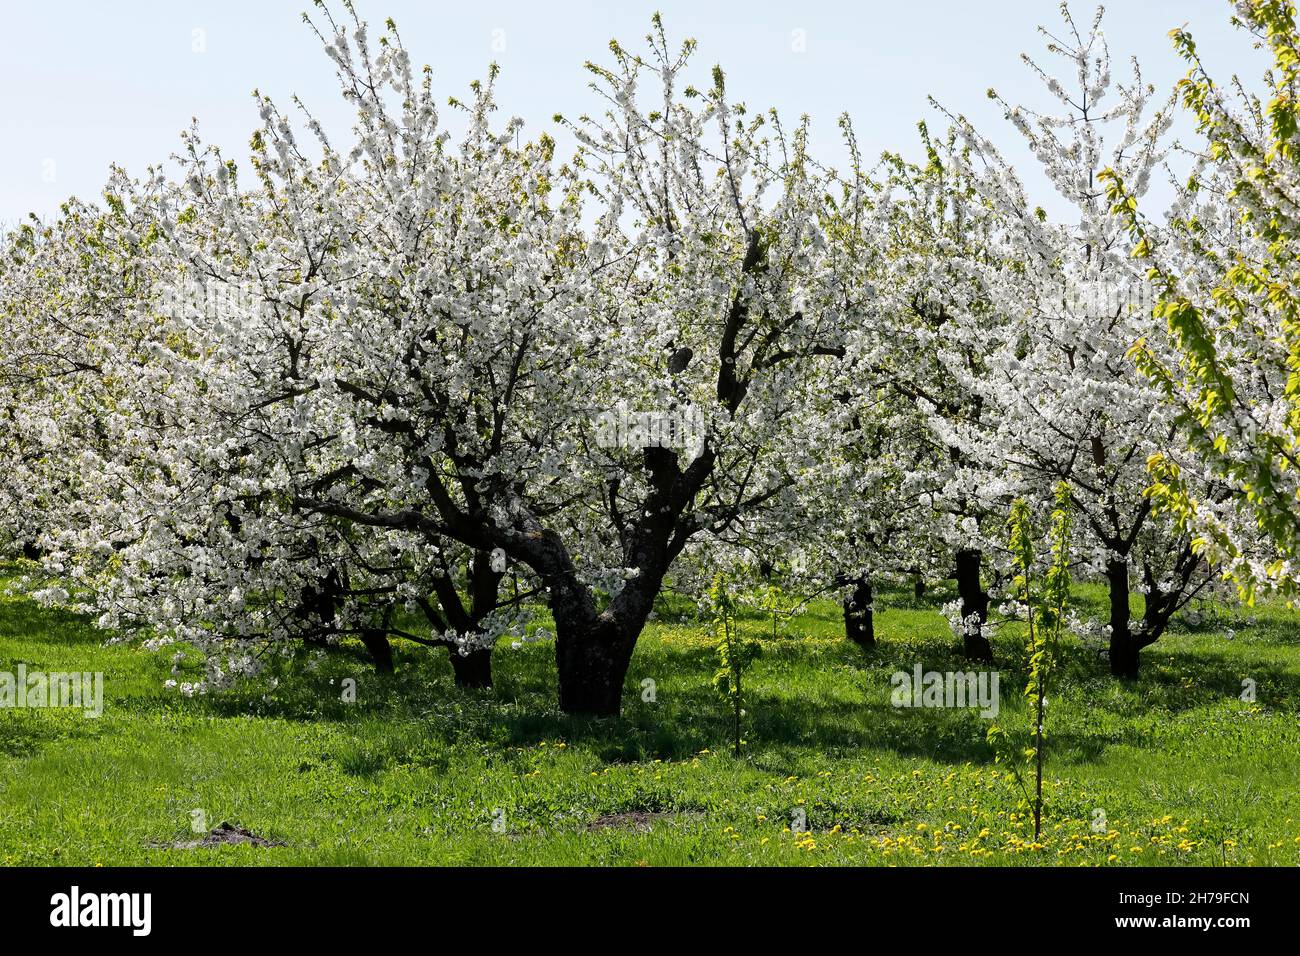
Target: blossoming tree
[(1224, 271), (1066, 307)]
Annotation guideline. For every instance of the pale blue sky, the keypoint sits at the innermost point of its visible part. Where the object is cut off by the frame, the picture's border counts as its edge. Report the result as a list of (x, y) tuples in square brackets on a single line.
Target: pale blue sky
[(85, 83)]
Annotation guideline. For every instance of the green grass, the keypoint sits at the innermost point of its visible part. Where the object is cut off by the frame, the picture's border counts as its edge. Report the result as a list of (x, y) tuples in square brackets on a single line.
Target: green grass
[(414, 771)]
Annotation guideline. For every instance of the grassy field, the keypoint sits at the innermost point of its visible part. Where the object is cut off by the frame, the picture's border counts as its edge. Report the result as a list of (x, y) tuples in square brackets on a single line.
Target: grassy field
[(416, 772)]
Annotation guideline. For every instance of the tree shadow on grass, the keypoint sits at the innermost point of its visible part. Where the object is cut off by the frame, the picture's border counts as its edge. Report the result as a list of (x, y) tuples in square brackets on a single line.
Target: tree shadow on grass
[(1176, 680), (419, 710), (824, 698), (24, 620)]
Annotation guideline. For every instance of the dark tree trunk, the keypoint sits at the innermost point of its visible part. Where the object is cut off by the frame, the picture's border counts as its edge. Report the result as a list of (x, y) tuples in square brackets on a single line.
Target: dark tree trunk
[(918, 587), (1162, 603), (974, 600), (592, 663), (1123, 646), (1124, 658), (594, 650), (381, 652), (859, 626), (472, 670)]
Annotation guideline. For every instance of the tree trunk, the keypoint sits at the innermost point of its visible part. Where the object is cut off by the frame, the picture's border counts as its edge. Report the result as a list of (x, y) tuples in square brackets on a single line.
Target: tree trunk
[(1124, 658), (918, 587), (472, 670), (859, 627), (593, 648), (1123, 647), (592, 663), (381, 652), (974, 600), (1162, 603)]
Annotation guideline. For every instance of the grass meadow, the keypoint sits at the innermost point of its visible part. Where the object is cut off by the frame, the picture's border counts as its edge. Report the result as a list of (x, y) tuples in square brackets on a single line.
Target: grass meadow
[(1173, 769)]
